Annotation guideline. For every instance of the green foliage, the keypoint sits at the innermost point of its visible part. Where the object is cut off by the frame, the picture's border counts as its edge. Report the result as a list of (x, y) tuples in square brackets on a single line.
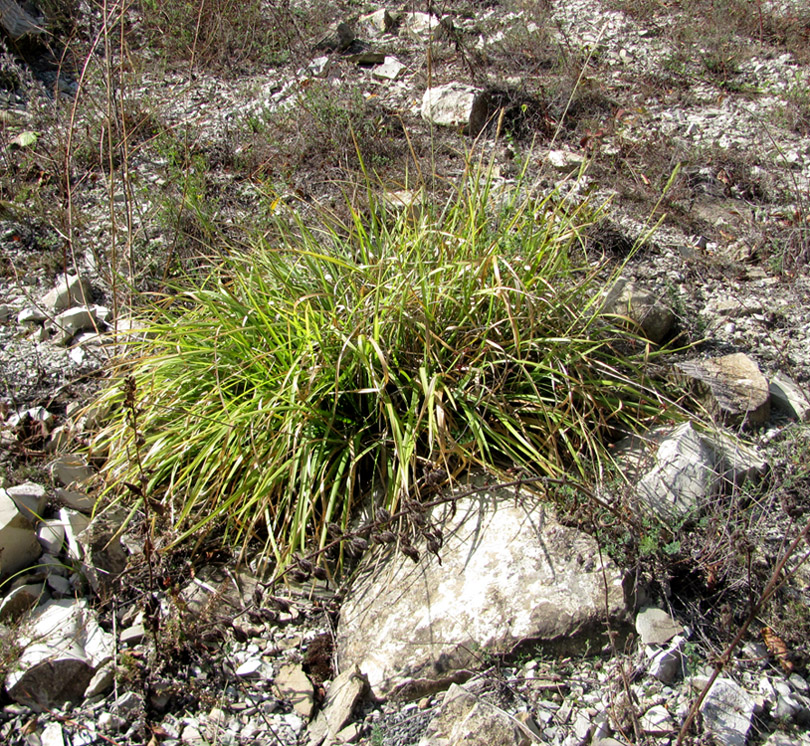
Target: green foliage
[(337, 360)]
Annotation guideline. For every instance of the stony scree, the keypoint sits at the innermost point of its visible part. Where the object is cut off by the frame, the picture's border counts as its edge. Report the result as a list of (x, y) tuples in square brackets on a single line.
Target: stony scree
[(479, 648)]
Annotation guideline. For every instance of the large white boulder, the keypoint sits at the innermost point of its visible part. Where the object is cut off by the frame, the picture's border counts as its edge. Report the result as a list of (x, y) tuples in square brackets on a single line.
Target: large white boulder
[(509, 572)]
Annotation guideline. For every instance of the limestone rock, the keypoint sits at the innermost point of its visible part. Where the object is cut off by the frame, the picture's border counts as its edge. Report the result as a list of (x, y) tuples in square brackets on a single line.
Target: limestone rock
[(345, 693), (656, 627), (71, 469), (727, 712), (377, 23), (456, 105), (673, 472), (30, 499), (508, 573), (63, 646), (19, 547), (338, 40), (16, 21), (468, 720), (389, 70), (21, 599), (72, 290), (733, 387), (103, 556), (653, 317), (294, 685), (789, 397), (69, 323)]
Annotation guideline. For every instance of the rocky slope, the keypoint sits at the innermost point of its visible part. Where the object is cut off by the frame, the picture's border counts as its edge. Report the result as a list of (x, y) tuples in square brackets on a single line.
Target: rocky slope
[(566, 631)]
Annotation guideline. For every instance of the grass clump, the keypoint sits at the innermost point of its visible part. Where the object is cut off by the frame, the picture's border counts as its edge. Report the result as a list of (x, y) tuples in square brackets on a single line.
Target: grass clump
[(329, 369)]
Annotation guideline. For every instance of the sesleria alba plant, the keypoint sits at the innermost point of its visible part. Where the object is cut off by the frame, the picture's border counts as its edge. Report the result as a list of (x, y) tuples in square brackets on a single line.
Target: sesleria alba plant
[(327, 369)]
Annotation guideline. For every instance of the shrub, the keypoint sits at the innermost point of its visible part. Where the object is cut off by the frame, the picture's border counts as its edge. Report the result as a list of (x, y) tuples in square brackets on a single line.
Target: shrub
[(339, 361)]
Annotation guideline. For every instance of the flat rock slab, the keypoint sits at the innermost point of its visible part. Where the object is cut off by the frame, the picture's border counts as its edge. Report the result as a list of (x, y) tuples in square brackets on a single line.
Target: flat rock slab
[(468, 720), (656, 627), (509, 573), (727, 712), (345, 693), (734, 389)]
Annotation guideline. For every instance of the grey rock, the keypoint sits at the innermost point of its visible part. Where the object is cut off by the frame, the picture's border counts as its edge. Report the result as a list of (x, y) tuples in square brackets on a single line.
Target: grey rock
[(345, 693), (667, 664), (789, 397), (133, 635), (72, 290), (377, 23), (657, 718), (102, 681), (338, 40), (656, 627), (51, 535), (21, 599), (74, 523), (509, 572), (58, 585), (71, 470), (468, 720), (31, 317), (103, 556), (75, 500), (643, 308), (565, 160), (30, 499), (456, 105), (6, 312), (63, 645), (68, 324), (294, 686), (19, 547), (727, 712), (732, 387)]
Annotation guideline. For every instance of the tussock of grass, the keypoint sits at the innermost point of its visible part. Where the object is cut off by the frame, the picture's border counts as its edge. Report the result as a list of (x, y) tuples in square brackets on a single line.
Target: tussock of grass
[(342, 360)]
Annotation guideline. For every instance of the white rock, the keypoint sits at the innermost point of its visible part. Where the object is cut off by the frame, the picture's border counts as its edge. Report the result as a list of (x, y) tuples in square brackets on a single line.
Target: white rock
[(19, 547), (74, 523), (656, 627), (69, 323), (51, 535), (789, 397), (72, 290), (389, 70), (52, 735), (456, 105), (31, 317), (30, 499), (727, 712), (508, 573), (656, 718)]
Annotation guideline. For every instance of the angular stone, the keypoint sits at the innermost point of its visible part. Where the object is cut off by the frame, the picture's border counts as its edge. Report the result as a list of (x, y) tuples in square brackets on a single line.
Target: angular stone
[(509, 573), (377, 23), (418, 23), (646, 310), (103, 556), (389, 70), (31, 317), (679, 479), (294, 685), (565, 160), (69, 323), (21, 599), (74, 523), (456, 105), (667, 664), (656, 627), (70, 291), (19, 547), (63, 645), (345, 693), (52, 735), (468, 720), (75, 500), (30, 499), (727, 712), (789, 397), (51, 535), (71, 470), (732, 386)]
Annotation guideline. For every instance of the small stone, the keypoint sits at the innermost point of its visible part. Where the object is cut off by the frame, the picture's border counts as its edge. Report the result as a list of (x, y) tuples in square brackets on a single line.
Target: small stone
[(456, 105), (727, 712), (52, 735), (294, 685), (72, 290), (59, 586), (71, 469), (20, 600), (789, 397), (656, 718), (101, 683), (389, 69), (19, 547), (30, 498), (250, 669), (75, 500), (133, 635), (51, 535), (656, 627), (111, 723)]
